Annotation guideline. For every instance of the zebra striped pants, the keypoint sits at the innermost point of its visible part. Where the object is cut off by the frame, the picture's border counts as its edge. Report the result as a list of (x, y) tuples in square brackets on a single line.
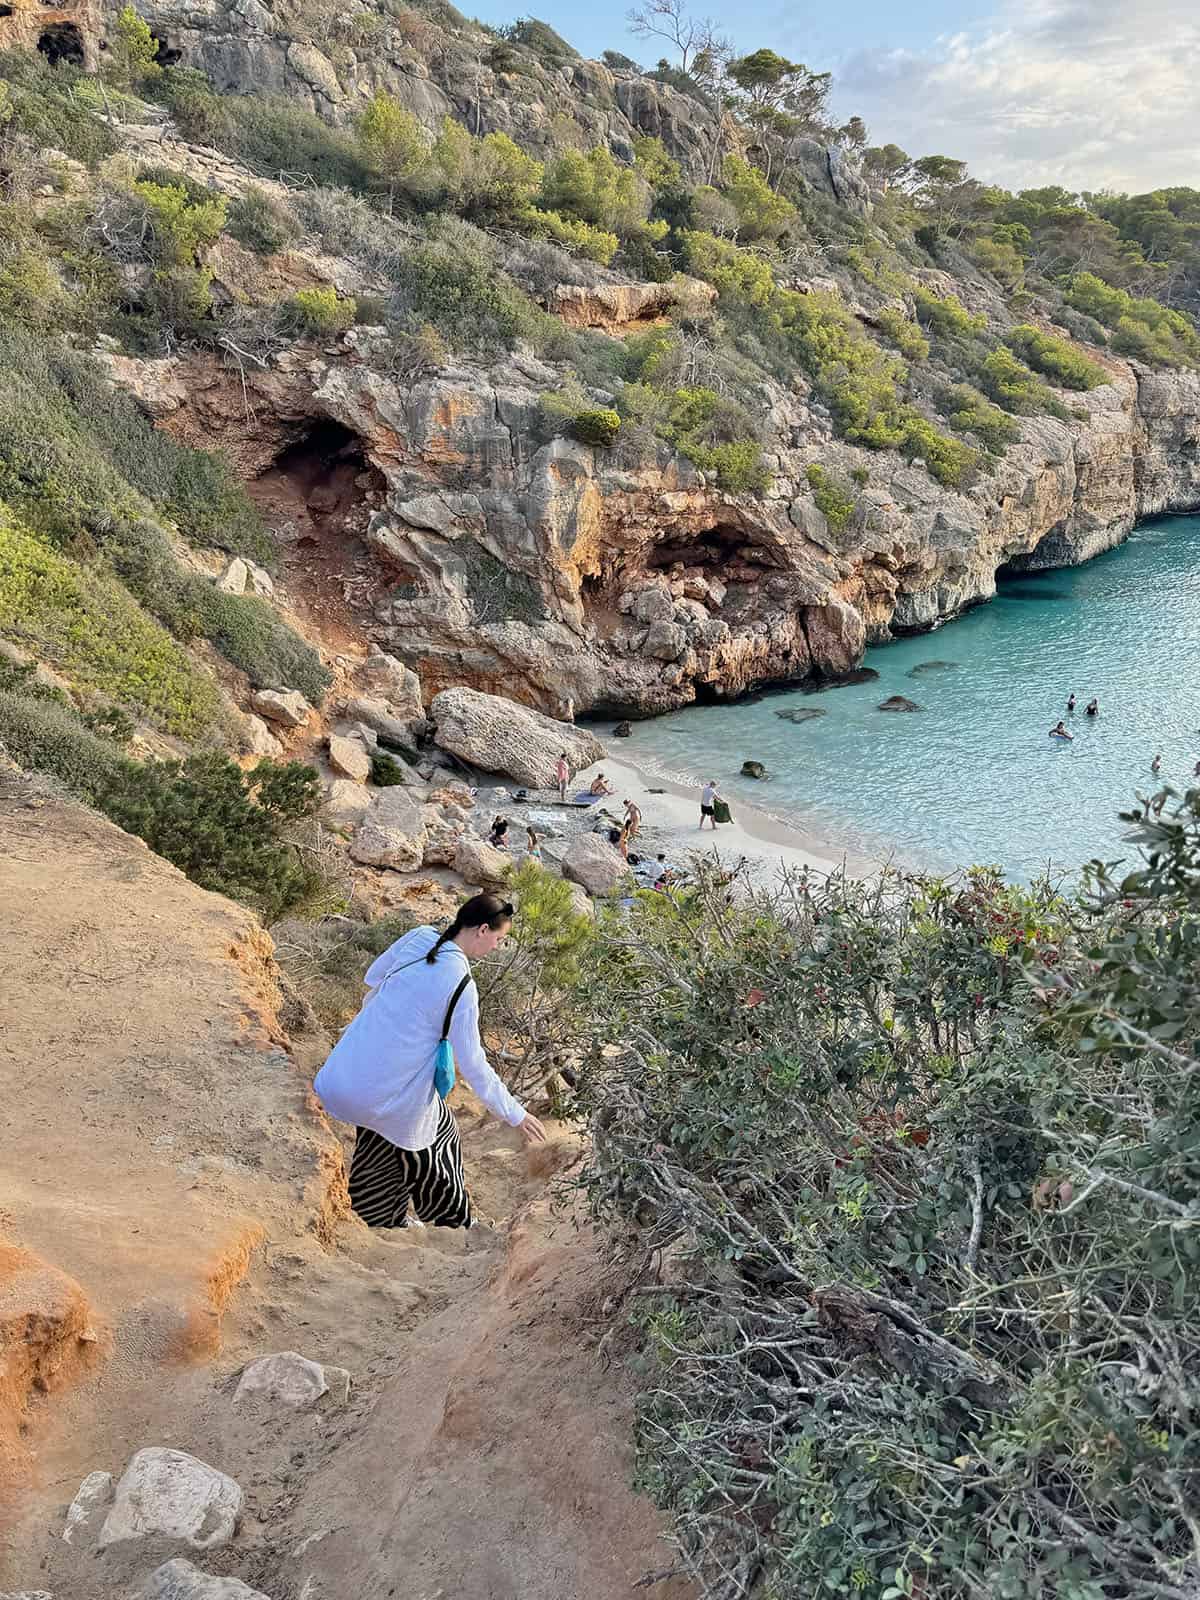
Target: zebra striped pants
[(384, 1179)]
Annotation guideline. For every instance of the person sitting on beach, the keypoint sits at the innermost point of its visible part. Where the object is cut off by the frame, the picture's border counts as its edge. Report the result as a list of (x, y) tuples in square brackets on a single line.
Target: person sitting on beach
[(1092, 709), (533, 850), (562, 775), (1060, 732), (498, 838), (600, 785), (708, 796), (1071, 703), (633, 818)]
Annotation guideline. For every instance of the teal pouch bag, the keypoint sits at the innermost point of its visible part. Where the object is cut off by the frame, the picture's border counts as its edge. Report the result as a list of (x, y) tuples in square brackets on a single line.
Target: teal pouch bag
[(443, 1061)]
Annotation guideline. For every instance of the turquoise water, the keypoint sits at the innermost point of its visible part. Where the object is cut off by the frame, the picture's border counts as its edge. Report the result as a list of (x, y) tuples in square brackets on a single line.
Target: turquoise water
[(973, 777)]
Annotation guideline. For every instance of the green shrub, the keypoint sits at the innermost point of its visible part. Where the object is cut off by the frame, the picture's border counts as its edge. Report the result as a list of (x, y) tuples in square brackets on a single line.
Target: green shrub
[(86, 624), (596, 188), (385, 772), (885, 1133), (1058, 360), (132, 49), (1143, 328), (948, 460), (903, 333), (737, 465), (49, 108), (598, 427), (761, 213), (262, 223), (580, 238), (945, 315), (967, 410), (464, 295), (181, 225), (42, 735), (249, 633), (317, 313), (490, 178), (736, 274), (31, 292), (1011, 384), (834, 501)]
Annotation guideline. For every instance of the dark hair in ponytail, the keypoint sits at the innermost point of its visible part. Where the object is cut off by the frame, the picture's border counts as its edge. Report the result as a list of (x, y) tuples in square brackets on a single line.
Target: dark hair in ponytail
[(480, 911)]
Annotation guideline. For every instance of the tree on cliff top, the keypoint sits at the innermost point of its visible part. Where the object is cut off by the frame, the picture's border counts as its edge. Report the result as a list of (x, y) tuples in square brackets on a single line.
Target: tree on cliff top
[(671, 20)]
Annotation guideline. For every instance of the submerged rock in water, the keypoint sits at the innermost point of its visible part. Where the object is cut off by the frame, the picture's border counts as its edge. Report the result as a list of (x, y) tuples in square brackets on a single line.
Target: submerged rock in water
[(753, 769), (802, 713), (932, 666), (898, 702), (622, 731), (839, 680)]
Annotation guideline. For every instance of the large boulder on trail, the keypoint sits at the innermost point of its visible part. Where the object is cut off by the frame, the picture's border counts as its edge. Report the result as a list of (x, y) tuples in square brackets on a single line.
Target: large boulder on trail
[(593, 862), (480, 863), (498, 735), (392, 833)]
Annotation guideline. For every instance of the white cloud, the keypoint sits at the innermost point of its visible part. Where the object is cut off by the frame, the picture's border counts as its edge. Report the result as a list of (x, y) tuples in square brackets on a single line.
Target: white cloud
[(1087, 93)]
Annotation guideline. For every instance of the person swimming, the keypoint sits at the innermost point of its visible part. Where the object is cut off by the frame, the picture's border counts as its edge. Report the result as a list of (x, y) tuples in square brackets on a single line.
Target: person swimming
[(1071, 703), (1059, 731), (1156, 764), (1092, 709)]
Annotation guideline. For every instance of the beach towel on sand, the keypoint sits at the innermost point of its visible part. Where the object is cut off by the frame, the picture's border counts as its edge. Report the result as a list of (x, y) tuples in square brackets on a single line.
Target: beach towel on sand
[(585, 799)]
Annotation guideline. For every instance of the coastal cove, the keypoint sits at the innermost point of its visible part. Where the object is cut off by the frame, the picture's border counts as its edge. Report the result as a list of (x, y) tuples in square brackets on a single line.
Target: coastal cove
[(972, 776)]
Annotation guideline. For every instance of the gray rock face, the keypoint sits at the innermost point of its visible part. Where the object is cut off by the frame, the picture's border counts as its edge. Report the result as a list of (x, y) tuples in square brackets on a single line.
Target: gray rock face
[(392, 833), (180, 1580), (87, 1510), (498, 736), (289, 1379), (350, 758), (235, 577), (169, 1494), (288, 707), (594, 864), (477, 862), (345, 803)]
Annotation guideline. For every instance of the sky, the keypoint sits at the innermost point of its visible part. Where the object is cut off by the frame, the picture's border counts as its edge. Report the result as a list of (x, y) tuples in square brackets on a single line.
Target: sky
[(1092, 94)]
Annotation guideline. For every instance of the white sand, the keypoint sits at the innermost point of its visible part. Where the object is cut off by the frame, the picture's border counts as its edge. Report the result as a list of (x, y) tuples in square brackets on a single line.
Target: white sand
[(670, 822)]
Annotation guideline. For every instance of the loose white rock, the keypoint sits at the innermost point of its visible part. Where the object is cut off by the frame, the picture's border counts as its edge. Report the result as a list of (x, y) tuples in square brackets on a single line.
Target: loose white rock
[(86, 1511), (345, 803), (479, 863), (235, 577), (169, 1494), (260, 580), (392, 833), (291, 1380), (350, 758), (258, 738), (286, 706), (180, 1580), (501, 736), (593, 862)]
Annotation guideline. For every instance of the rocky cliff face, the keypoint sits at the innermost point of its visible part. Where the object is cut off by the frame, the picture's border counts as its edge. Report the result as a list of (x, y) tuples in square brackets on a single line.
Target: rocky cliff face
[(550, 571)]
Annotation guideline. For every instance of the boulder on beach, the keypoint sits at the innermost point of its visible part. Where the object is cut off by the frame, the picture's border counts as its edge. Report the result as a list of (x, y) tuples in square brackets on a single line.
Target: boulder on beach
[(753, 769), (839, 680), (802, 713), (923, 667), (593, 862), (898, 702), (500, 736)]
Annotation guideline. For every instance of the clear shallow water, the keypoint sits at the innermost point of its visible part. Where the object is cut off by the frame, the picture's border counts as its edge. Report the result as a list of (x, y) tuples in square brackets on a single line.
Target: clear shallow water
[(973, 777)]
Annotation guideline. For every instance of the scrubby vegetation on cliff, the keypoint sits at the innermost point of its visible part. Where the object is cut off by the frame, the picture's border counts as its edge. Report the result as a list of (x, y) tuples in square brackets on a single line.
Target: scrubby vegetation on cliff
[(903, 1180)]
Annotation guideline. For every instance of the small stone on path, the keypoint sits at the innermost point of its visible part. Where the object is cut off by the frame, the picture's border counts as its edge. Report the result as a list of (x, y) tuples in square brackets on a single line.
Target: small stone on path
[(180, 1580), (292, 1380)]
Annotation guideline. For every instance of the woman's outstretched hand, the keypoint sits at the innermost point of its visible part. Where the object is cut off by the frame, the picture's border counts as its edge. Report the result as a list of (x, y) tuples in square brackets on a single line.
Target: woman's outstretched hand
[(532, 1129)]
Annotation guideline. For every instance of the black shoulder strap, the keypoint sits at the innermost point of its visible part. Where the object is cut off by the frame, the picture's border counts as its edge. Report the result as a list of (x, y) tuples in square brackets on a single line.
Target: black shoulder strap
[(454, 998)]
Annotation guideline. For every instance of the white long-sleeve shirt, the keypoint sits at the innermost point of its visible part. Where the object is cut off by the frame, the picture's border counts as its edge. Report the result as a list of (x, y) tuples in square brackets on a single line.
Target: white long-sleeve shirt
[(380, 1073)]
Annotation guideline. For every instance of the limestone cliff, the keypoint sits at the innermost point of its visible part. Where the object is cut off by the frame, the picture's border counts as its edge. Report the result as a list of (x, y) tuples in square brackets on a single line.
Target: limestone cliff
[(548, 571)]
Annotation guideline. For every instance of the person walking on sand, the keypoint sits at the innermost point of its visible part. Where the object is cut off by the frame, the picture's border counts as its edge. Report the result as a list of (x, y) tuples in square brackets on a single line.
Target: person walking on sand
[(708, 796), (388, 1074), (633, 819), (1059, 731), (562, 773)]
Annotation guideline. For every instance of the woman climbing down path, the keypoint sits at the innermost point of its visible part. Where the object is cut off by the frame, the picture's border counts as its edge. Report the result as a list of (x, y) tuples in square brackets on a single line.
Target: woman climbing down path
[(384, 1074)]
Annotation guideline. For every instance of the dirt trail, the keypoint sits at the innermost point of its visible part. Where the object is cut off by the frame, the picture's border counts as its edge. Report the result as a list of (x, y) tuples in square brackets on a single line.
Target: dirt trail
[(172, 1205)]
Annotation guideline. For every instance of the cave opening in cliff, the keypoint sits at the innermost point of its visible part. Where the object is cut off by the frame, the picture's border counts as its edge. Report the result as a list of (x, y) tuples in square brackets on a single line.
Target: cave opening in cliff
[(321, 484), (62, 41), (167, 55), (714, 549)]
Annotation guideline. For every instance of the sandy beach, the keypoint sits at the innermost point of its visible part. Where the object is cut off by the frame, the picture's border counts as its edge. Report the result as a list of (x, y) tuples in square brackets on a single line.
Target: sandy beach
[(670, 824)]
